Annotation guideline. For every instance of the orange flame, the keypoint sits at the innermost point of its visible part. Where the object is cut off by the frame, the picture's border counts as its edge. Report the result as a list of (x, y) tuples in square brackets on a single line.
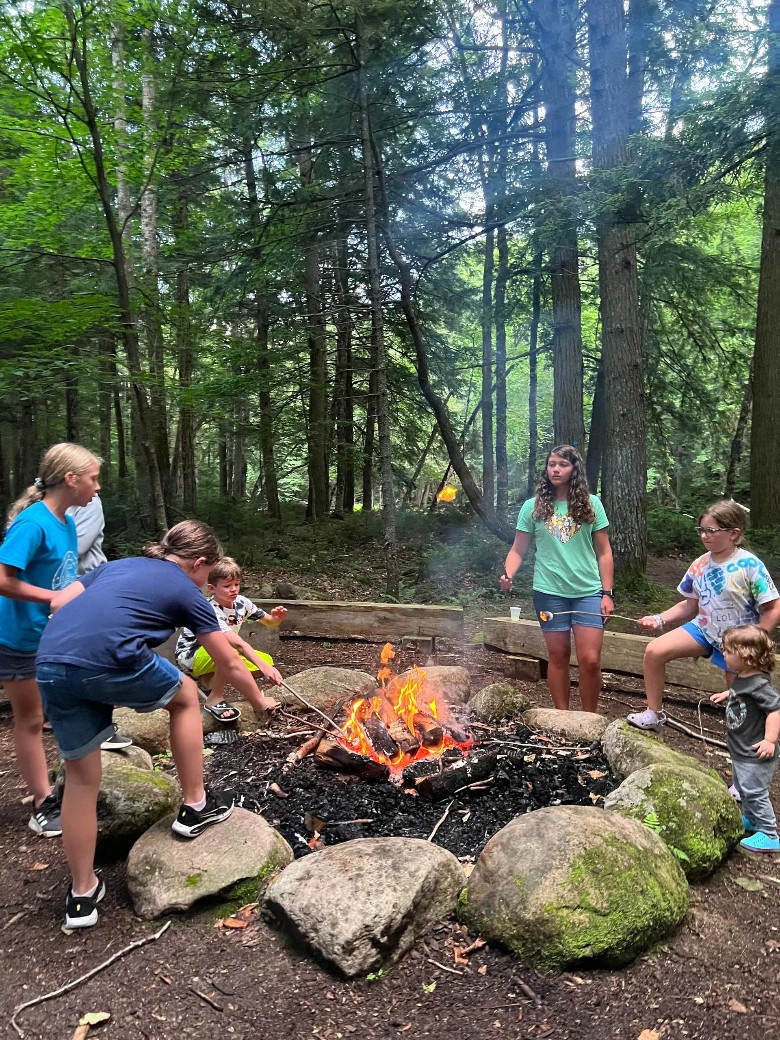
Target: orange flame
[(447, 494), (408, 710)]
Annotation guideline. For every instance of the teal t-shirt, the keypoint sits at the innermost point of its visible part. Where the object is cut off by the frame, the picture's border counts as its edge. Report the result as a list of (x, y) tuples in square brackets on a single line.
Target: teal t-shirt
[(566, 563), (44, 551)]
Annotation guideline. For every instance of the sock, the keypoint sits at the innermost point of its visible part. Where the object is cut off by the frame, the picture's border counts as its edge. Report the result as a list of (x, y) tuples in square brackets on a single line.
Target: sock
[(198, 806), (85, 895)]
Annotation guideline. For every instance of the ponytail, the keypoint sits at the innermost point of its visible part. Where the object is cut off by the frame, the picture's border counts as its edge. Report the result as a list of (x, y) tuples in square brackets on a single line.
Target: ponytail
[(187, 540), (59, 460)]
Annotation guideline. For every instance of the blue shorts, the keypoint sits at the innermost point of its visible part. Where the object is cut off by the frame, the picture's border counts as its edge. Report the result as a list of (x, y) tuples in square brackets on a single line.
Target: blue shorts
[(713, 654), (16, 664), (562, 622), (79, 701)]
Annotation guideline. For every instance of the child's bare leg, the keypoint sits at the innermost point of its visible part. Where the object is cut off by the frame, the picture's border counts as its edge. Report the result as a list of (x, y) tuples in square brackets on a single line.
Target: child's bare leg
[(79, 819), (264, 703), (28, 739), (187, 741), (217, 684)]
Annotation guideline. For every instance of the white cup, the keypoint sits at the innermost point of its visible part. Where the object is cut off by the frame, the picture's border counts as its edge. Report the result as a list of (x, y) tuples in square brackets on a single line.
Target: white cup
[(514, 613)]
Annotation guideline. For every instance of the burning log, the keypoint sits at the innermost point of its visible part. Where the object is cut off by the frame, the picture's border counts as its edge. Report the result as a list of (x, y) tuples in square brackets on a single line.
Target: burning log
[(335, 755), (380, 737), (428, 729), (445, 785)]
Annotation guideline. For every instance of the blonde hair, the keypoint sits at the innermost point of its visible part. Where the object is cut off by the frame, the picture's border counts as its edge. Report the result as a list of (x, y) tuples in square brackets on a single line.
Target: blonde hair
[(752, 645), (188, 540), (59, 460), (729, 515), (226, 569)]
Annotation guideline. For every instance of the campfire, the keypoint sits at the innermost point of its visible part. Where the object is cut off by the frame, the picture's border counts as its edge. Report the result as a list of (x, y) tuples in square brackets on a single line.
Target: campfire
[(381, 735)]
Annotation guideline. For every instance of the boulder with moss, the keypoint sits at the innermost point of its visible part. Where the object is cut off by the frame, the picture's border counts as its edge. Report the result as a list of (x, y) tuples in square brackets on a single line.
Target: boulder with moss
[(499, 700), (694, 814), (568, 885), (628, 749), (168, 873)]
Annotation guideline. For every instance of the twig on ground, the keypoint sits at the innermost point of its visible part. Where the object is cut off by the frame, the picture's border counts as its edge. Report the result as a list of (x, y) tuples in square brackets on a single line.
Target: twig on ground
[(204, 996), (525, 988), (83, 978), (440, 821), (692, 733), (452, 971)]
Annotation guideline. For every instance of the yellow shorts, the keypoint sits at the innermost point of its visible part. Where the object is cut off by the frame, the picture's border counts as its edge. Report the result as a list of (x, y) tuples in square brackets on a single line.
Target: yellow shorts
[(204, 665)]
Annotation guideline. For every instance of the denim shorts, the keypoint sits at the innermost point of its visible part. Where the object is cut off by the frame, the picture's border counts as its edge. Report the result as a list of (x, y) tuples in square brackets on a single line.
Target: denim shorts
[(582, 610), (79, 701), (713, 655), (16, 664)]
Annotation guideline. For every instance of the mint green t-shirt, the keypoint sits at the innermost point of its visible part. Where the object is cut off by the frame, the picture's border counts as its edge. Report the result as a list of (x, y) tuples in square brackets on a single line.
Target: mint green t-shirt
[(566, 563)]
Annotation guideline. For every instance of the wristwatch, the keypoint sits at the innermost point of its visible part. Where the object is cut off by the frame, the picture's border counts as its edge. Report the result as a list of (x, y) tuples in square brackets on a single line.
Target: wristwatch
[(608, 592)]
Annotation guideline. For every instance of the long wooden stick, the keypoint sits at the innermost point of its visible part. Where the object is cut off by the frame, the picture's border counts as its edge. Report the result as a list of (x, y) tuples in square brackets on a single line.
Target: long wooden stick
[(321, 714), (83, 978)]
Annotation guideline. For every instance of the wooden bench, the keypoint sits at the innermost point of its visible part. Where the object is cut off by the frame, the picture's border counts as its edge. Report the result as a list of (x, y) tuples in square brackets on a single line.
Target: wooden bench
[(622, 652), (371, 622)]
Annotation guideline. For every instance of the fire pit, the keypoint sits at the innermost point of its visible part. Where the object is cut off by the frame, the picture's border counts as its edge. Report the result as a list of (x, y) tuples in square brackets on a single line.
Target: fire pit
[(381, 773)]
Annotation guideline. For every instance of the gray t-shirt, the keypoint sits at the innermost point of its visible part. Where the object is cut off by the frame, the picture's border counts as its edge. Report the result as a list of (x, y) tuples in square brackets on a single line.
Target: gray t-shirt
[(750, 701)]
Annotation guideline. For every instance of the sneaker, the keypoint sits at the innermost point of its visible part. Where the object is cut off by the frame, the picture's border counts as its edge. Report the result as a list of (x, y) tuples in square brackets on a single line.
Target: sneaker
[(760, 842), (192, 822), (116, 742), (81, 911), (735, 793), (749, 828), (45, 819)]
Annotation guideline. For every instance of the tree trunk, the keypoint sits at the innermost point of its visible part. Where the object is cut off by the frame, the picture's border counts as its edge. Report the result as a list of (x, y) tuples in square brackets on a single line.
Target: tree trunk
[(378, 349), (557, 22), (488, 264), (596, 432), (624, 467), (533, 377), (765, 431), (737, 441), (345, 431), (502, 460), (184, 353), (317, 507)]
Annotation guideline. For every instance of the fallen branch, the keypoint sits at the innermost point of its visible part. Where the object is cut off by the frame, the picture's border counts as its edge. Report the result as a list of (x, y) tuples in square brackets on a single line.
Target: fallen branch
[(452, 971), (692, 733), (83, 978), (206, 997), (441, 820)]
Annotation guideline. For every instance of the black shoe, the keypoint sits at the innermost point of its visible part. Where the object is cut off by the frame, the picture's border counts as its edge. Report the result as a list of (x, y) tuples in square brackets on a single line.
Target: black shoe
[(116, 742), (81, 911), (192, 822), (45, 819)]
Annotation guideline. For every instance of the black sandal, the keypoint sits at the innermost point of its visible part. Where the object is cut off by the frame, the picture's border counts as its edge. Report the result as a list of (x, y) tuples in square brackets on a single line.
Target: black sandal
[(223, 712)]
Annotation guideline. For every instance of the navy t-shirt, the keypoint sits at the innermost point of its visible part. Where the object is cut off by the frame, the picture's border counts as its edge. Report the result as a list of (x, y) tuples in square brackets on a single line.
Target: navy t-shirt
[(127, 607)]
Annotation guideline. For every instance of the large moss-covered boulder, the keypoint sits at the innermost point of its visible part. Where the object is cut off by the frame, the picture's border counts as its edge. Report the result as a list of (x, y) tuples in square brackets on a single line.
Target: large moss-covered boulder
[(499, 700), (694, 814), (628, 749), (571, 884)]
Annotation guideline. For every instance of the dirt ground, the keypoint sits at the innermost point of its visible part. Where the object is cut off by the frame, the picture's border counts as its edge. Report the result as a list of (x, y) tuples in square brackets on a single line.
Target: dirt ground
[(717, 979)]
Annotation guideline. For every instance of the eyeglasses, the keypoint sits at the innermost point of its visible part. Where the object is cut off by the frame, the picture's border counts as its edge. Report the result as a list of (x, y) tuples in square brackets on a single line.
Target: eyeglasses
[(709, 531)]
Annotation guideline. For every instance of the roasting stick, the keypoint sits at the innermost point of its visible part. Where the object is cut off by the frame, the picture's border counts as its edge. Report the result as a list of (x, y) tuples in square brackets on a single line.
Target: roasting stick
[(321, 714), (546, 615)]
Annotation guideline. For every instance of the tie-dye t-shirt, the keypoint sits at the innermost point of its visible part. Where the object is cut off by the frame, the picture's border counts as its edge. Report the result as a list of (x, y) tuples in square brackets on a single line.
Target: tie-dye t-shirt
[(566, 563), (729, 593)]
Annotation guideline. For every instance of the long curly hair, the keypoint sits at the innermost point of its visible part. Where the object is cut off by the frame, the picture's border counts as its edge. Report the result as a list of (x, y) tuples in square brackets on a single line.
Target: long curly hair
[(578, 492)]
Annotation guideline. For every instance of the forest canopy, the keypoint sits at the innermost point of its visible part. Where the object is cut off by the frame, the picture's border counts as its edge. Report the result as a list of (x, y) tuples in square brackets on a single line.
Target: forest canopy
[(341, 254)]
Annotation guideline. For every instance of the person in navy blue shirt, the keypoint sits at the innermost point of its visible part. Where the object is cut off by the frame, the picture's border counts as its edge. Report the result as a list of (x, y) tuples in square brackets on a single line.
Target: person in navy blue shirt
[(38, 558), (97, 652)]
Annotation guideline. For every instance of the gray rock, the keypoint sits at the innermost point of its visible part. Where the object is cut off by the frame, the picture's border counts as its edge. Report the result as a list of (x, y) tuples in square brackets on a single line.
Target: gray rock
[(166, 873), (628, 749), (692, 813), (499, 700), (570, 884), (132, 798), (361, 905), (325, 687), (150, 731), (451, 682), (571, 725)]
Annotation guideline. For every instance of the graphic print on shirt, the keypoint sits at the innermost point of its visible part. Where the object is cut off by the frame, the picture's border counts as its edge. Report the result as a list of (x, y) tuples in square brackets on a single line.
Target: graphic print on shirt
[(736, 713), (562, 526), (729, 593), (67, 571)]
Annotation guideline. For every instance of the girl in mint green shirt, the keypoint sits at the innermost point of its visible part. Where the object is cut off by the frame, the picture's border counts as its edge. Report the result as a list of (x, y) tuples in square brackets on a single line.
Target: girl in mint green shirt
[(573, 572)]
